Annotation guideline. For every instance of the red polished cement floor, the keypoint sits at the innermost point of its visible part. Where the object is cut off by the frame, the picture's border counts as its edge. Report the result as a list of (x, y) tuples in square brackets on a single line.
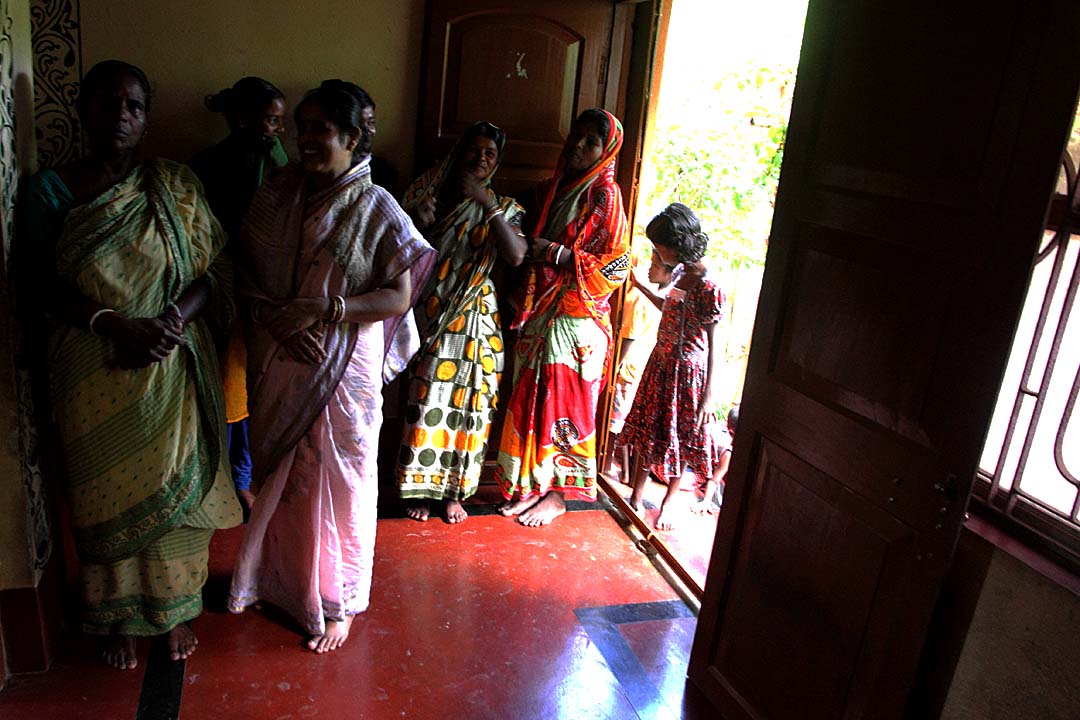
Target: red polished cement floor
[(488, 619)]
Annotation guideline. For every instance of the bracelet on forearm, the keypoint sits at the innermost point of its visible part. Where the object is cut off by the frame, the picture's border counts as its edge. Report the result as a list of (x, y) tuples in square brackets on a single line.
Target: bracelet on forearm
[(558, 255), (491, 213), (337, 312), (95, 316)]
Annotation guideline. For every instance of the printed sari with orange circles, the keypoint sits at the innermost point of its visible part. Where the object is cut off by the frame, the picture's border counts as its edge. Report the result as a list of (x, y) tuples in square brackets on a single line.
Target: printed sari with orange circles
[(454, 379)]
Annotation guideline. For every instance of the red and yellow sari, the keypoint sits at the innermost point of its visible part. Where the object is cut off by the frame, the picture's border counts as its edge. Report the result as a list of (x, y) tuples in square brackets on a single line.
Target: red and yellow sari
[(548, 439)]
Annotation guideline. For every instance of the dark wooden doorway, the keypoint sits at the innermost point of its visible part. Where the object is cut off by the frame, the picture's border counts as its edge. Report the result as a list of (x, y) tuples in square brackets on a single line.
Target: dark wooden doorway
[(922, 151), (529, 68)]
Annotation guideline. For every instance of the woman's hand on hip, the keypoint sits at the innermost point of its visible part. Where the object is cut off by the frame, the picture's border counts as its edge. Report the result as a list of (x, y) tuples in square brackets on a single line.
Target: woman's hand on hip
[(285, 320)]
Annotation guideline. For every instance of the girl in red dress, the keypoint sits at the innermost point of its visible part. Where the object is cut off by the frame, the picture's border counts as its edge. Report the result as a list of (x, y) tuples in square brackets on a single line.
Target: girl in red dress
[(672, 425)]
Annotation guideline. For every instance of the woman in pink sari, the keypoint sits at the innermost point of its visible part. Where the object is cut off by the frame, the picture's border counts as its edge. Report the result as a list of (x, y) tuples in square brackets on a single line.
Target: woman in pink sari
[(331, 266)]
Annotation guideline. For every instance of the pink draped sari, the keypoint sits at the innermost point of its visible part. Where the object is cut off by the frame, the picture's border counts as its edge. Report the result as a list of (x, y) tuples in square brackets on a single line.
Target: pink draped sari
[(309, 544)]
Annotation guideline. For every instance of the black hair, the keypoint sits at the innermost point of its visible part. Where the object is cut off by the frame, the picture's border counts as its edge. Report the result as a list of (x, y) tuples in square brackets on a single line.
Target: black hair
[(96, 77), (485, 129), (733, 417), (249, 94), (599, 118), (342, 102), (678, 228)]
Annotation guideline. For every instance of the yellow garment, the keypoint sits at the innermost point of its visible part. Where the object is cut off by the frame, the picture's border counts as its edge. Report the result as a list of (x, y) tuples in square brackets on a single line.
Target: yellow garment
[(235, 376), (640, 319)]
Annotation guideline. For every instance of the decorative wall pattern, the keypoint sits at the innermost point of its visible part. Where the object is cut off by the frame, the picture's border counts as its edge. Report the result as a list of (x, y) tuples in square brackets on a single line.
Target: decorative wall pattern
[(26, 443), (57, 69), (9, 168)]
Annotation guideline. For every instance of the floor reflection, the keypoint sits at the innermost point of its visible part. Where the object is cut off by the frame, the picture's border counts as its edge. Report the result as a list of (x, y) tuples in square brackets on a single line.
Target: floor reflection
[(691, 540)]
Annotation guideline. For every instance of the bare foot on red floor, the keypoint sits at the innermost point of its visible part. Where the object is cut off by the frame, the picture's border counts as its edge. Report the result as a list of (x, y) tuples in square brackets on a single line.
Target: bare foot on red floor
[(455, 513), (550, 507), (334, 637), (419, 510), (664, 521), (182, 642), (511, 508), (119, 652)]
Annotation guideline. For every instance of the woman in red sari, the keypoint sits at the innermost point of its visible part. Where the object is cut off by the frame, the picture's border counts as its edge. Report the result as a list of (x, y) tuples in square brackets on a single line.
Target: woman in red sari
[(547, 451)]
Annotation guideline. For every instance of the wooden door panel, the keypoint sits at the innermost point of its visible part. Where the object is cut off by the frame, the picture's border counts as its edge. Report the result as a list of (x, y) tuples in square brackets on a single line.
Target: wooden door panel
[(531, 66), (921, 154), (861, 323), (897, 141), (821, 563), (527, 67)]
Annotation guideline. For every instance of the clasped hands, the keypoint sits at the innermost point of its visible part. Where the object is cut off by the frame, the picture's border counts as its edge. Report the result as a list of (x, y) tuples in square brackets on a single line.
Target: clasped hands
[(141, 342), (298, 325)]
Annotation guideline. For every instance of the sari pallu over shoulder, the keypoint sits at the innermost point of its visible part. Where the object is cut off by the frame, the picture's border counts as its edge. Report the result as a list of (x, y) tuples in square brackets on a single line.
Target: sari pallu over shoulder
[(142, 450), (370, 240)]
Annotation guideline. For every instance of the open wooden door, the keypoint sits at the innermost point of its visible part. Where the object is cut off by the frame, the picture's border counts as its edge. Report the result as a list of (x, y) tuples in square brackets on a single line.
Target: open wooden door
[(922, 151)]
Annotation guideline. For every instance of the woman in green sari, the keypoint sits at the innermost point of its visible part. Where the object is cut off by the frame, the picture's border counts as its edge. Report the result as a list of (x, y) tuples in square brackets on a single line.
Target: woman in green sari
[(455, 376), (130, 256)]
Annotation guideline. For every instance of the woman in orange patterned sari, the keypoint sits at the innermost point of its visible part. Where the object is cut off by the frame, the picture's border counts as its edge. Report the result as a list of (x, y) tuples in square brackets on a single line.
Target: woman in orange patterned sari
[(547, 451)]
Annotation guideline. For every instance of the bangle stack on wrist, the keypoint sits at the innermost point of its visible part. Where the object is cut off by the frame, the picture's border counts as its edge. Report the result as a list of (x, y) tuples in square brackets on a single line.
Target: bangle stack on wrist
[(492, 212), (337, 311)]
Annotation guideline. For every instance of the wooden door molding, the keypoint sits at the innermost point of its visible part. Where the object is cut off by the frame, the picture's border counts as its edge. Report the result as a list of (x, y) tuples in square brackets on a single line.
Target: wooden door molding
[(527, 67), (922, 150)]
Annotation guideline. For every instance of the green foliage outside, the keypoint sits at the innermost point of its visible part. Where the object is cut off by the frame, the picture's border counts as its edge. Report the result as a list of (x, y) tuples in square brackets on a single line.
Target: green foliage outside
[(726, 172), (720, 152)]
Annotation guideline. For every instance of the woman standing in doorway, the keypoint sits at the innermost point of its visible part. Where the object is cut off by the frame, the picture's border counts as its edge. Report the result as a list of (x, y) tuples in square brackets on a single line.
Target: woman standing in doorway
[(455, 381), (581, 254)]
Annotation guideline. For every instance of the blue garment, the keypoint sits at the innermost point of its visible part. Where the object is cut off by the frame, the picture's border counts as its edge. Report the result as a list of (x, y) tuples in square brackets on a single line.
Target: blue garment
[(240, 454)]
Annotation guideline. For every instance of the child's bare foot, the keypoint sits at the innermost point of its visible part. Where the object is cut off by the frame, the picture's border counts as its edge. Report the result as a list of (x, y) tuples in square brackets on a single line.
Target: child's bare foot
[(334, 637), (455, 513), (701, 507), (119, 652), (550, 507), (247, 498), (419, 510), (182, 642), (516, 507), (664, 521)]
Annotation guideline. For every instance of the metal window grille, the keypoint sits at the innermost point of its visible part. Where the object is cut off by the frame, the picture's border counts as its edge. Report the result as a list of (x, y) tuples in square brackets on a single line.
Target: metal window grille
[(1030, 469)]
